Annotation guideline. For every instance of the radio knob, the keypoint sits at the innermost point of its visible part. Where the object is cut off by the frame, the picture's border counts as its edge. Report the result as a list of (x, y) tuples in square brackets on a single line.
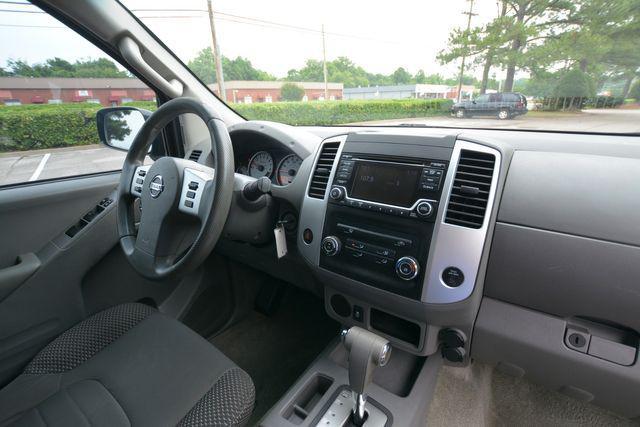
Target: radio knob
[(424, 209), (336, 193), (407, 268), (331, 245)]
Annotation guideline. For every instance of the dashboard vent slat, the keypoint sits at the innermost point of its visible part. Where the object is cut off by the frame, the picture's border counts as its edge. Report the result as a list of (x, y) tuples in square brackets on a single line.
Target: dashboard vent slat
[(470, 190), (195, 155), (322, 171)]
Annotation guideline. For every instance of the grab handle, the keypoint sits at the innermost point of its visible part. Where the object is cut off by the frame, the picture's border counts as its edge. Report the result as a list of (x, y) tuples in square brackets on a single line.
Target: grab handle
[(14, 276), (131, 52)]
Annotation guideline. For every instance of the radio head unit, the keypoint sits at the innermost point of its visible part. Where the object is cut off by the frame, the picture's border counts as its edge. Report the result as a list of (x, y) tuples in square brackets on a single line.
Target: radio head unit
[(394, 186)]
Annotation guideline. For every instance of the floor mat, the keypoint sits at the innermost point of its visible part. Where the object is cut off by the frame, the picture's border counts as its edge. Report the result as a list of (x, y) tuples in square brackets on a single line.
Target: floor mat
[(275, 350), (481, 396)]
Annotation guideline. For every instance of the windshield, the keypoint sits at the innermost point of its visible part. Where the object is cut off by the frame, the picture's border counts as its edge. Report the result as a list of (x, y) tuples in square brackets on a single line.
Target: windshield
[(521, 64)]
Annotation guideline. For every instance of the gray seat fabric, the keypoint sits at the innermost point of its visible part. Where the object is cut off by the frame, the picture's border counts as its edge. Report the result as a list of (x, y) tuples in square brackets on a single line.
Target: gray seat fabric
[(129, 365)]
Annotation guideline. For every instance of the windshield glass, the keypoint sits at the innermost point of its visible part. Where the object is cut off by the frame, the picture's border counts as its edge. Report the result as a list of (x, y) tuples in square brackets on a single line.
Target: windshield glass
[(522, 64)]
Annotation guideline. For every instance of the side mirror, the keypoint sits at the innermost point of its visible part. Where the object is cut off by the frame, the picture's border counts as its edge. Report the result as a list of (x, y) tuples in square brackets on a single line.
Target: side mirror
[(118, 126)]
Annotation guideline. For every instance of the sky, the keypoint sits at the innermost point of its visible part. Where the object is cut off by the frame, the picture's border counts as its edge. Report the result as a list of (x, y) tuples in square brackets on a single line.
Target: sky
[(275, 36)]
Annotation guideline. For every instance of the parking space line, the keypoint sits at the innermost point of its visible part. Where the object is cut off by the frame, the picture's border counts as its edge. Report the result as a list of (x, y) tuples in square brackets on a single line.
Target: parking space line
[(38, 171)]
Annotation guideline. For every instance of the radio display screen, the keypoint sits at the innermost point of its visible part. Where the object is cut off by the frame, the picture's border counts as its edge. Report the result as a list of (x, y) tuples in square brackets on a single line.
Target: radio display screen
[(386, 183)]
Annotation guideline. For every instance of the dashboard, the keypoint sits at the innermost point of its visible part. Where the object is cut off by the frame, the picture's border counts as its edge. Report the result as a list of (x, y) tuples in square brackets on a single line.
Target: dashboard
[(519, 249)]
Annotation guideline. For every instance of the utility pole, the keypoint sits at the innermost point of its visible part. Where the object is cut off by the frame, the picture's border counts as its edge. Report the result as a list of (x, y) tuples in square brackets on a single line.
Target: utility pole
[(469, 15), (324, 66), (217, 57)]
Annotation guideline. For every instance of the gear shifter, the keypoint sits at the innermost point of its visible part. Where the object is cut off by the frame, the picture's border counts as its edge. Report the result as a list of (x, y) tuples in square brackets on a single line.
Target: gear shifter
[(366, 351)]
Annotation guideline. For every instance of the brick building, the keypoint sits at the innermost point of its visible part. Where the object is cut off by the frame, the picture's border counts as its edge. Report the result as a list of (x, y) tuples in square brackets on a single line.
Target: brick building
[(115, 91), (53, 90), (269, 91)]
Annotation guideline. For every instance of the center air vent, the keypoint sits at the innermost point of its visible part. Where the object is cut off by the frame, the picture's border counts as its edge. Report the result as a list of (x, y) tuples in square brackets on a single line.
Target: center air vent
[(195, 155), (470, 191), (321, 173)]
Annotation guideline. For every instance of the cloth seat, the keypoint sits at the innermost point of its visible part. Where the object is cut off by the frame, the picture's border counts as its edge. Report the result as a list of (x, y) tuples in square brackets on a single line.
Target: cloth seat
[(128, 366)]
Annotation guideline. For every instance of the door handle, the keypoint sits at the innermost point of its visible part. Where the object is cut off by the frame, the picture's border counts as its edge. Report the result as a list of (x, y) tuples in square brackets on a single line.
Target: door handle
[(14, 276)]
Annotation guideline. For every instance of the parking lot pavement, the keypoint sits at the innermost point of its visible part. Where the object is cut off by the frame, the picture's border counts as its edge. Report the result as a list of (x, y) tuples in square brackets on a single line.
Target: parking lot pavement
[(25, 166), (615, 121)]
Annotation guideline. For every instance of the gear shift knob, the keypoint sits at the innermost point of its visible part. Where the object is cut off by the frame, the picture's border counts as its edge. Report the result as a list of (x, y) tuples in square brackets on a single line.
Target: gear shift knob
[(366, 351)]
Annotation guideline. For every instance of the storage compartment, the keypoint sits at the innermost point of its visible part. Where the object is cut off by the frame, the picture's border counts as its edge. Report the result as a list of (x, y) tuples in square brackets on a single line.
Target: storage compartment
[(395, 326), (306, 400)]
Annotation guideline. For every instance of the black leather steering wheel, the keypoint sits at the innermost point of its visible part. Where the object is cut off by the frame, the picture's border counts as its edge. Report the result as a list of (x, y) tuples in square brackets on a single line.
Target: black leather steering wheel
[(184, 205)]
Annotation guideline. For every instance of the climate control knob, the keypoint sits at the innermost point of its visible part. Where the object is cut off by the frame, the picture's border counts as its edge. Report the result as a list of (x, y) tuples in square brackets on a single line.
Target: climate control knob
[(424, 209), (331, 245), (336, 193), (407, 268)]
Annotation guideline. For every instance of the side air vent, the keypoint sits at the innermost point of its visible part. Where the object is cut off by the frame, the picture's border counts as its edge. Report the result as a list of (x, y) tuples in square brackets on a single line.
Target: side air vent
[(470, 191), (195, 155), (320, 178)]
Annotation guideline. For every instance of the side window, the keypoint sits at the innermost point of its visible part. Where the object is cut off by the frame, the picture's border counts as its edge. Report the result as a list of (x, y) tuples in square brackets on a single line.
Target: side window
[(52, 83)]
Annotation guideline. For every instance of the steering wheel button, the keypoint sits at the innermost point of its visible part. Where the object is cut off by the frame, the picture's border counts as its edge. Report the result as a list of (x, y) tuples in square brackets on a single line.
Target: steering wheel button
[(188, 203), (191, 194), (193, 185), (138, 189)]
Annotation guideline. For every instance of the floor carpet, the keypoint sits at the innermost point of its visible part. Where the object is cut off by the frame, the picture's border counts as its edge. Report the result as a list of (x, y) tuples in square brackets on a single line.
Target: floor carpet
[(275, 350), (481, 396)]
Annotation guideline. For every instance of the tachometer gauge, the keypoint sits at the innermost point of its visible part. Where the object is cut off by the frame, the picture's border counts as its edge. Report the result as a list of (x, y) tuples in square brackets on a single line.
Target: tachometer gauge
[(261, 164), (288, 168)]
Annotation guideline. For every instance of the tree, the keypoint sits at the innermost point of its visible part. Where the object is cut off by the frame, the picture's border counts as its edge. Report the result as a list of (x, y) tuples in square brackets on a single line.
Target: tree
[(239, 68), (291, 92), (574, 85), (58, 67), (635, 91), (401, 76)]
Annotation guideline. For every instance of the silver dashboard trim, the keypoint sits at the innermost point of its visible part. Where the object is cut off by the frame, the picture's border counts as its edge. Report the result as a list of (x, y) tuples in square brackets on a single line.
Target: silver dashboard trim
[(313, 211), (383, 205), (453, 245)]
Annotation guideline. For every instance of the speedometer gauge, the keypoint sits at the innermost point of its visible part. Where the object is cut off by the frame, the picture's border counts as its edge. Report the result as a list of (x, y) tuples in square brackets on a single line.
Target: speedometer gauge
[(288, 168), (261, 164)]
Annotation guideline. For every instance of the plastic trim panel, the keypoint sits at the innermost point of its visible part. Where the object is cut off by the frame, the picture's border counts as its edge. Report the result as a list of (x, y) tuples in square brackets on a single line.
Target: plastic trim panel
[(453, 245)]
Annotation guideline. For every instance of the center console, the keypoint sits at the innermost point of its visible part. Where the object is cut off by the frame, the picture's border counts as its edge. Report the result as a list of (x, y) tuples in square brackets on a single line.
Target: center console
[(380, 219), (394, 224)]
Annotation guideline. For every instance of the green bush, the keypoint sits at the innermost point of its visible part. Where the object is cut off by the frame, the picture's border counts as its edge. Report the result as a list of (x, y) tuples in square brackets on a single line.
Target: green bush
[(32, 127), (342, 112)]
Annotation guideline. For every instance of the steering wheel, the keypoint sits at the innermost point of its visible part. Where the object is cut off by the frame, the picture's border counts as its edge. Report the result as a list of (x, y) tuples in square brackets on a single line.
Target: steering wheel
[(184, 205)]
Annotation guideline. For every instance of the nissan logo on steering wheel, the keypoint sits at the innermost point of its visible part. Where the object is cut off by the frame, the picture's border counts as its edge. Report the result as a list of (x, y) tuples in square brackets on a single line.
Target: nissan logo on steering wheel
[(156, 186)]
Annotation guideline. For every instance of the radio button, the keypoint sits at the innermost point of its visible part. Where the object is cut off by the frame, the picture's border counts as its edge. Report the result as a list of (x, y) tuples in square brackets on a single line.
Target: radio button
[(331, 245), (355, 244), (407, 268), (356, 254), (382, 261), (336, 193), (424, 209), (385, 252)]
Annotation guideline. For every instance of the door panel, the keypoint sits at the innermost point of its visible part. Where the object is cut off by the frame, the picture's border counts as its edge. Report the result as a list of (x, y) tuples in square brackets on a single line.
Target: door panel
[(34, 220)]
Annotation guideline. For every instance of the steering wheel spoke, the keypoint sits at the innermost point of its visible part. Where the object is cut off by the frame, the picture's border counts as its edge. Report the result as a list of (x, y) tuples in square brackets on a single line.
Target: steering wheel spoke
[(137, 182), (194, 190)]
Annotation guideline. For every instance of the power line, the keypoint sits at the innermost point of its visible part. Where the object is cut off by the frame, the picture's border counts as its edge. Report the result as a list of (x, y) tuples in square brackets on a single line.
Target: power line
[(255, 21), (32, 26), (229, 17)]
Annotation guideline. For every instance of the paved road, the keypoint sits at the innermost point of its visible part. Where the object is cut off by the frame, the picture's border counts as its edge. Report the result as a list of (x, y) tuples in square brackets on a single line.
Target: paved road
[(26, 166), (616, 121), (43, 164)]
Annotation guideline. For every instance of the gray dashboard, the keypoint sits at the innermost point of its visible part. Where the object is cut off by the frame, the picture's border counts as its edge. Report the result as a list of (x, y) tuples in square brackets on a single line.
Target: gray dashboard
[(560, 255)]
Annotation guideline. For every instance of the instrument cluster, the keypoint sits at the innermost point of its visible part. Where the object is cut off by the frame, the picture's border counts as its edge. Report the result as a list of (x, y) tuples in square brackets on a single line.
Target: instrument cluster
[(280, 167)]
